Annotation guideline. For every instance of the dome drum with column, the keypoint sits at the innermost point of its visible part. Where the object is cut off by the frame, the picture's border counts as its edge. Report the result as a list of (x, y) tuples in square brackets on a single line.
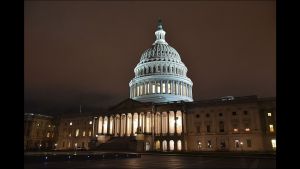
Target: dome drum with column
[(160, 76)]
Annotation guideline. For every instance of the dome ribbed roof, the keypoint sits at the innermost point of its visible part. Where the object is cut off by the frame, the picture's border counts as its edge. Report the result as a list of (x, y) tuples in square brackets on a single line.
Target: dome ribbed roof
[(160, 52)]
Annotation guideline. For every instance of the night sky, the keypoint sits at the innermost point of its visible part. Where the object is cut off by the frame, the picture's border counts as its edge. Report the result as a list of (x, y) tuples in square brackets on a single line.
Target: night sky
[(79, 52)]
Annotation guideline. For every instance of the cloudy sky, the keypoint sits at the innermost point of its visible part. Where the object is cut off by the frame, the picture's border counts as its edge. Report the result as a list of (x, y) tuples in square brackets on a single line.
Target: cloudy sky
[(79, 52)]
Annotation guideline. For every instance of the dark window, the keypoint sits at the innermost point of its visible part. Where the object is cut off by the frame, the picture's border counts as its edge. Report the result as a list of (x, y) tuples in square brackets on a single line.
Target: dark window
[(221, 125), (223, 145), (207, 115), (245, 112), (208, 128), (220, 114), (234, 113), (248, 143), (63, 144), (198, 129), (197, 115)]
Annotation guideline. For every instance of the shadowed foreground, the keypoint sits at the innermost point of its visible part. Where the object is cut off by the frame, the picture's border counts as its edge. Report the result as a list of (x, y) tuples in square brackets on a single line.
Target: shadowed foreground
[(157, 161)]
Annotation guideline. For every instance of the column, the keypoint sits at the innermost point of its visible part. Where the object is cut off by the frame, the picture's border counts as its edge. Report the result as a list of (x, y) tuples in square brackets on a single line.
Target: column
[(175, 115), (173, 87), (161, 123), (166, 86), (155, 123), (120, 127), (138, 121), (102, 125), (176, 88), (108, 125), (168, 145), (126, 116), (168, 131), (132, 134), (145, 122), (182, 124)]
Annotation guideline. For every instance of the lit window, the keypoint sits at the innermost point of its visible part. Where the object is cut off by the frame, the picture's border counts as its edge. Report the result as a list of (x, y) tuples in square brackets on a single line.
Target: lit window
[(209, 144), (70, 134), (77, 132), (271, 128), (199, 145), (75, 145), (91, 122), (71, 123), (273, 141), (235, 130), (163, 87), (49, 125), (90, 133), (237, 143), (169, 87), (249, 143), (83, 133), (38, 124), (269, 114), (247, 129), (48, 134), (158, 87), (153, 88)]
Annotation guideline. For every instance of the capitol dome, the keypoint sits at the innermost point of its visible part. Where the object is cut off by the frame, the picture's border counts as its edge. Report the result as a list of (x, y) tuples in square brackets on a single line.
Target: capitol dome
[(160, 76)]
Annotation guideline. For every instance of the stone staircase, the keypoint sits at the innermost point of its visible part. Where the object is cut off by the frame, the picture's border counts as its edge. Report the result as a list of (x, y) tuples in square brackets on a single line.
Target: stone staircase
[(119, 144)]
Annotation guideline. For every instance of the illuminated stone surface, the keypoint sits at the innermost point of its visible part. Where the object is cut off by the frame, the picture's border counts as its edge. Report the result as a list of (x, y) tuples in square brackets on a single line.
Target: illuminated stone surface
[(160, 76)]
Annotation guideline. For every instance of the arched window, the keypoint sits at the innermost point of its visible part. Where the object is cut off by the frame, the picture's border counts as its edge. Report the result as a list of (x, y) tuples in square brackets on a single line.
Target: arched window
[(179, 145), (147, 146), (171, 145), (149, 70), (164, 69), (157, 145), (154, 70), (77, 133), (158, 68), (165, 146), (172, 69), (168, 69)]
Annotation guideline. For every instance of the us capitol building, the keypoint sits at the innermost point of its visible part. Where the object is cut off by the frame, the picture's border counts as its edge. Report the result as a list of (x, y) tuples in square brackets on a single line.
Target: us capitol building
[(160, 115)]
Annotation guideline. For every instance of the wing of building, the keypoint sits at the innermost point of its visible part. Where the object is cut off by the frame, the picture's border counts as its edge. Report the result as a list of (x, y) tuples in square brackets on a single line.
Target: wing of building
[(160, 114)]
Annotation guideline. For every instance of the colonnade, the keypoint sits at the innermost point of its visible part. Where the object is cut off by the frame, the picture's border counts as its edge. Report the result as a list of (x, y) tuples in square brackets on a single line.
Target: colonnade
[(130, 124), (161, 87)]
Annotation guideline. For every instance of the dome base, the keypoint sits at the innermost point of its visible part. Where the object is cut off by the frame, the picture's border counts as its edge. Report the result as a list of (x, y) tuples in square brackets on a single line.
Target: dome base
[(161, 98)]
